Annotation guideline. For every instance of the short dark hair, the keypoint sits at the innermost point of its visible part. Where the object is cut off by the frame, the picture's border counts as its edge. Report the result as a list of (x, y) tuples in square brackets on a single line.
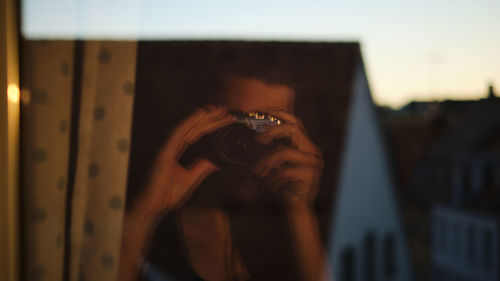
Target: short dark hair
[(268, 65)]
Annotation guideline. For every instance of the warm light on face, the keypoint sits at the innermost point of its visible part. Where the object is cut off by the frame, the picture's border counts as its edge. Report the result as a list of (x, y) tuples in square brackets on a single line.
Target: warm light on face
[(13, 93)]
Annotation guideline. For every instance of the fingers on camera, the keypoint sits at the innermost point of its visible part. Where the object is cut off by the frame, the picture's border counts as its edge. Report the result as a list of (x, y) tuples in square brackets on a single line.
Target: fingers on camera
[(202, 122), (288, 131), (212, 121), (201, 169), (289, 175), (207, 128), (283, 158), (201, 114)]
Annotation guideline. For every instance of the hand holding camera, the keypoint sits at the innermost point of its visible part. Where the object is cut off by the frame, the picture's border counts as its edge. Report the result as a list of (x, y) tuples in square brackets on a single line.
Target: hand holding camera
[(292, 171), (273, 145), (171, 184)]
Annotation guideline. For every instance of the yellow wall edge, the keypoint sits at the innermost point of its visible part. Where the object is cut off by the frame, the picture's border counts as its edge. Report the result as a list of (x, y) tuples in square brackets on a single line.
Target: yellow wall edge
[(9, 142)]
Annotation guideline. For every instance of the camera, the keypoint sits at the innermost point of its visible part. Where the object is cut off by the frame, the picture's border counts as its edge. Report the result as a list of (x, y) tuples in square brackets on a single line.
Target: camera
[(234, 145)]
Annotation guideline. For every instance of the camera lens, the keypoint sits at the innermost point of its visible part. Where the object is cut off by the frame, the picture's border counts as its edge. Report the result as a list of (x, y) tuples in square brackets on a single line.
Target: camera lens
[(236, 145)]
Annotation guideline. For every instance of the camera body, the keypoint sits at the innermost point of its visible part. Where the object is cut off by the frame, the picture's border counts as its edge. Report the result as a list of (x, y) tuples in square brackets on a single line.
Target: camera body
[(234, 145)]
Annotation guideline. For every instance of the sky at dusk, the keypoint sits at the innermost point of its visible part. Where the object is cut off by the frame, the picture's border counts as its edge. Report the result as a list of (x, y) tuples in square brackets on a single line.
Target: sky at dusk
[(413, 50)]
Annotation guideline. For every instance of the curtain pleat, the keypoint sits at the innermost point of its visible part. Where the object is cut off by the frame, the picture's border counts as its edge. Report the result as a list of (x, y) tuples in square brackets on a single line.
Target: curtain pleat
[(47, 76), (103, 153)]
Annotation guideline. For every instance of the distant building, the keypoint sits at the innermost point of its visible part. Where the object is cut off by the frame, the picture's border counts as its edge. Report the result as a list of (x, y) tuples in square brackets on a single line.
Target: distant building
[(465, 246), (447, 154), (466, 235)]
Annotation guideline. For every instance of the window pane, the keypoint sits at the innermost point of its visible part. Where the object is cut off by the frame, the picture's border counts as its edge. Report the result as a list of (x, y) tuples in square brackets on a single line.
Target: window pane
[(487, 248), (389, 256), (369, 257), (471, 237), (348, 265)]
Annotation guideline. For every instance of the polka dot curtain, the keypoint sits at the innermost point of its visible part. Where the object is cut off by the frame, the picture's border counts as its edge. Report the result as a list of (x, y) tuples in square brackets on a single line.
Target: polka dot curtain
[(76, 127), (46, 115)]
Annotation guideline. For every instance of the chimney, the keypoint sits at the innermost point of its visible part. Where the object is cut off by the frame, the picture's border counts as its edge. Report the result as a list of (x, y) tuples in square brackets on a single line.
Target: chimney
[(491, 92)]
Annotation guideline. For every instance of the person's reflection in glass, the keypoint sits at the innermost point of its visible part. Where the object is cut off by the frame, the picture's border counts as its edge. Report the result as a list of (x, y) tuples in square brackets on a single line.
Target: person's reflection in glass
[(225, 227)]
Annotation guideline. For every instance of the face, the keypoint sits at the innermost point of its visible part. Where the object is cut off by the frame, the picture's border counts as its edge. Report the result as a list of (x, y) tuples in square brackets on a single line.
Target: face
[(249, 94)]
